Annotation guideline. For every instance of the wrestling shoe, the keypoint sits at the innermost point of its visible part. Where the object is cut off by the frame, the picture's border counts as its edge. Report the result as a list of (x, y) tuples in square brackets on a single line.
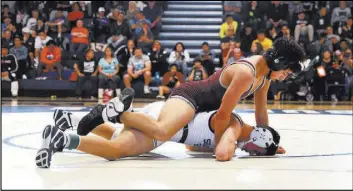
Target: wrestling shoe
[(52, 139), (118, 105), (91, 120), (64, 119)]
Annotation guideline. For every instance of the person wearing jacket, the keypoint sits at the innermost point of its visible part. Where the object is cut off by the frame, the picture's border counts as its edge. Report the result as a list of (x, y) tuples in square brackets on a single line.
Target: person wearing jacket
[(9, 68), (50, 58)]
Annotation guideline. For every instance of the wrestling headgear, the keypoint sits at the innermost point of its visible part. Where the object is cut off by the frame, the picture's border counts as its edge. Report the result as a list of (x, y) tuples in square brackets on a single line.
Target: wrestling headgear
[(263, 140), (284, 54)]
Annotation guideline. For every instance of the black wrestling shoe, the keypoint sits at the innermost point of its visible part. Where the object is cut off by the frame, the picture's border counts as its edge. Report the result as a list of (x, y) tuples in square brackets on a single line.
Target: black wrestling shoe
[(91, 120), (63, 119), (52, 139), (118, 105)]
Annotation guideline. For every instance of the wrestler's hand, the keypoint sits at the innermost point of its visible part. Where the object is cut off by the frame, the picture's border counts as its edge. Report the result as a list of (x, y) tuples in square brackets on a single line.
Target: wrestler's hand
[(280, 150)]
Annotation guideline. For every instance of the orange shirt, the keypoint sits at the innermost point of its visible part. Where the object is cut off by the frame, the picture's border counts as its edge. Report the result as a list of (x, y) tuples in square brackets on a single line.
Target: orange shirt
[(50, 57), (81, 40), (73, 16)]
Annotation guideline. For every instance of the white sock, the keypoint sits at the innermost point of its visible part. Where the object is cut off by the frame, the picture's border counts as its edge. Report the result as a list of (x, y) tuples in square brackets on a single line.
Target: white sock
[(100, 93)]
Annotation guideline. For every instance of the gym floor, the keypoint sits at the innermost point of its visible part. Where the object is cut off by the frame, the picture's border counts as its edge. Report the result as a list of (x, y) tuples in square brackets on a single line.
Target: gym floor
[(317, 137)]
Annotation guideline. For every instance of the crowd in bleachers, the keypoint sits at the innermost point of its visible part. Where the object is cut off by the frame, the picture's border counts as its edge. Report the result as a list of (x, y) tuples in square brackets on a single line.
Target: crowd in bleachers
[(111, 44)]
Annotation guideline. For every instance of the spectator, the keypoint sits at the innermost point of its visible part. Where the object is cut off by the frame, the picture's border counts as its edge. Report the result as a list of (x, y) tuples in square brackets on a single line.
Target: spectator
[(50, 58), (58, 25), (180, 56), (318, 46), (254, 15), (119, 32), (138, 23), (5, 23), (113, 16), (207, 57), (14, 31), (153, 12), (40, 42), (21, 53), (124, 53), (40, 26), (256, 49), (139, 68), (236, 55), (32, 22), (9, 68), (171, 80), (344, 45), (6, 13), (29, 39), (158, 57), (59, 6), (285, 32), (108, 68), (198, 72), (347, 30), (348, 67), (225, 26), (303, 27), (86, 70), (21, 18), (233, 8), (79, 38), (335, 42), (272, 33), (276, 14), (226, 39), (75, 14), (227, 52), (101, 26), (263, 40), (321, 21), (340, 15), (247, 36), (7, 38), (145, 38), (131, 12)]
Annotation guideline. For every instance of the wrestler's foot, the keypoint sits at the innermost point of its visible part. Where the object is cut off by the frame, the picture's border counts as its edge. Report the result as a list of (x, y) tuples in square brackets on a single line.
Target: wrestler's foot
[(64, 119), (118, 105), (53, 139), (91, 120)]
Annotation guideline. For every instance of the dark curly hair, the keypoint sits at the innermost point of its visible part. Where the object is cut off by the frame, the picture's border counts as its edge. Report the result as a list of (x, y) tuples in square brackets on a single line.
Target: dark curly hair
[(290, 49)]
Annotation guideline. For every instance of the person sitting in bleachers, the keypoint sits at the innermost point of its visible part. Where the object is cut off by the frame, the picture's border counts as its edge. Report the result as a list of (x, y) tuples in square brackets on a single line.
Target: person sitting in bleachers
[(180, 56), (171, 80), (50, 59), (75, 14), (101, 26), (87, 70), (145, 38), (158, 56), (79, 39), (207, 56), (139, 68), (223, 31), (198, 72)]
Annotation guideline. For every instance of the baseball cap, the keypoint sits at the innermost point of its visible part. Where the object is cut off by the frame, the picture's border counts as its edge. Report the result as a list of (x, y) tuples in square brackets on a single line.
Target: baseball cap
[(101, 9), (26, 30)]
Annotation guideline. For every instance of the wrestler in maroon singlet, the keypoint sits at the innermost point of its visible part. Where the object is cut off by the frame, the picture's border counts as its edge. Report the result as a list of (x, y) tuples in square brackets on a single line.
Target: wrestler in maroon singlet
[(206, 95)]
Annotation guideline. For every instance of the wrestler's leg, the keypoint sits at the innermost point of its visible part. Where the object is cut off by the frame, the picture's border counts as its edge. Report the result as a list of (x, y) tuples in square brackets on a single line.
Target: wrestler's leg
[(175, 114)]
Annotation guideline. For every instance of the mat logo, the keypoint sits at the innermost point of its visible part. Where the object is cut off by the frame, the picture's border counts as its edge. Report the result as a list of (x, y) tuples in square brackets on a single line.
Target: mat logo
[(70, 108)]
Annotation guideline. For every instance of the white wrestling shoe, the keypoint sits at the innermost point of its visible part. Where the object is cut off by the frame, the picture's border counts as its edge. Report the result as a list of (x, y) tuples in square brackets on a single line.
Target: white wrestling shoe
[(118, 105), (53, 139), (65, 120)]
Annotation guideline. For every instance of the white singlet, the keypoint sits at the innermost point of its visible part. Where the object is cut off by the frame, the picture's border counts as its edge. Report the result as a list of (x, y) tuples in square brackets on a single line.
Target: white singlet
[(197, 133)]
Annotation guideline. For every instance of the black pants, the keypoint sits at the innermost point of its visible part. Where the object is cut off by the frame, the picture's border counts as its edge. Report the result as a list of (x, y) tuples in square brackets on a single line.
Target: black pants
[(86, 79), (319, 87), (113, 83), (22, 68)]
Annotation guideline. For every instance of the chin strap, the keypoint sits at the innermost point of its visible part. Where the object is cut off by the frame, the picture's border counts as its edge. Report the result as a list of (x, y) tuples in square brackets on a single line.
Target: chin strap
[(269, 75)]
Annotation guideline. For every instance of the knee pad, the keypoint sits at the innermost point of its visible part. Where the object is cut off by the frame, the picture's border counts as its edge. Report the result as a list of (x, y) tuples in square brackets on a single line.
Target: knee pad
[(91, 120), (14, 88)]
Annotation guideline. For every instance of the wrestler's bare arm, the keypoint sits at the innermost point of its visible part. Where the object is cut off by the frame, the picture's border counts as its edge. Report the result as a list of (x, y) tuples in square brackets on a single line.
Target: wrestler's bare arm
[(239, 78), (260, 97)]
